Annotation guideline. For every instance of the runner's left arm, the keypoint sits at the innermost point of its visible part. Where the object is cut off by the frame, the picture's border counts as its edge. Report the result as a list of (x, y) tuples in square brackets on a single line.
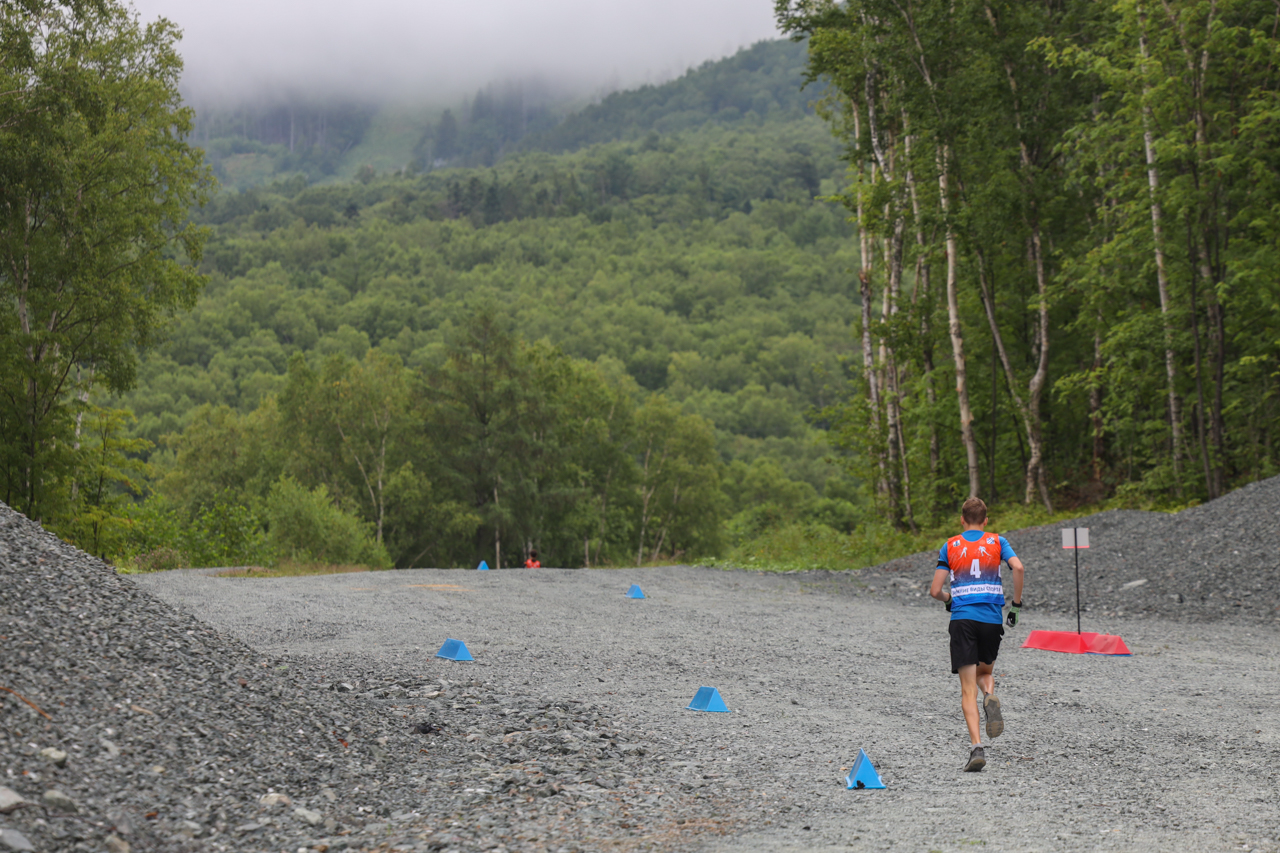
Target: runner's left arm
[(1015, 567)]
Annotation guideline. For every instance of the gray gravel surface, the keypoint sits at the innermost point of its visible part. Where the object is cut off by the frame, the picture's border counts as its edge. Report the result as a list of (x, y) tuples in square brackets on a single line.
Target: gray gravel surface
[(569, 729)]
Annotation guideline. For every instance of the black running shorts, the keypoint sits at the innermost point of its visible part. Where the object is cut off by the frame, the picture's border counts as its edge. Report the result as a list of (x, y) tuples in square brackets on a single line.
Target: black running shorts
[(974, 642)]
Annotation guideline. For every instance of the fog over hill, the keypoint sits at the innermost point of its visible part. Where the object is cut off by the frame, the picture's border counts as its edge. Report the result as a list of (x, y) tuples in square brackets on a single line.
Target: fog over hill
[(262, 137), (393, 49)]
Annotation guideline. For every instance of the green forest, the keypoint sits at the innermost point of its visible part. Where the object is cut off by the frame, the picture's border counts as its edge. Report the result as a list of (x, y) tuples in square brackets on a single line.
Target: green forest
[(731, 317), (696, 281)]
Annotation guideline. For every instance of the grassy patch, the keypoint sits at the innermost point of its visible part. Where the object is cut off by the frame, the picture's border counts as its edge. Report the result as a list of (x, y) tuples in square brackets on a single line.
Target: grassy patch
[(290, 570), (388, 143), (249, 170)]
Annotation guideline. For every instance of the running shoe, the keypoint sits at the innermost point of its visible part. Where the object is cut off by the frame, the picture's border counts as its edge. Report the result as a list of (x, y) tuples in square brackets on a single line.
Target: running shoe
[(977, 760), (995, 722)]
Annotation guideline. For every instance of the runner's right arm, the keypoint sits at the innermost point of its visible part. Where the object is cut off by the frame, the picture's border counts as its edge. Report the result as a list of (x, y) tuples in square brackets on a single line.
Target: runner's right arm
[(939, 578)]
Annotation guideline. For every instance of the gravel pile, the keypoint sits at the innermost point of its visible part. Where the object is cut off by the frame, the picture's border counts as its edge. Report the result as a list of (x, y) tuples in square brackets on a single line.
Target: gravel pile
[(133, 726), (1220, 560)]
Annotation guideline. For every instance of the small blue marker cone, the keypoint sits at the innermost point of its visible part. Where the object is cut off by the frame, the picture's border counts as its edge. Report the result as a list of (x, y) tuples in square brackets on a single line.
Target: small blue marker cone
[(454, 650), (635, 591), (483, 567), (708, 699), (863, 774)]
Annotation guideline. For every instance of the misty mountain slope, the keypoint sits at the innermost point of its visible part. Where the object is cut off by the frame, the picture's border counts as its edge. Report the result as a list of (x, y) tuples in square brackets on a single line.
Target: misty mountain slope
[(252, 143), (325, 139), (757, 84), (388, 143)]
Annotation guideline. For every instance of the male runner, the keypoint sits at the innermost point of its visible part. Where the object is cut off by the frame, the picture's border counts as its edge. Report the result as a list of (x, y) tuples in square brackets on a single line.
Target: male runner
[(971, 561)]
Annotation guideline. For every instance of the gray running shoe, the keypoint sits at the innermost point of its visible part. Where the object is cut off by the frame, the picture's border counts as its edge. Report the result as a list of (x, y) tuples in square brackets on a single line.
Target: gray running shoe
[(977, 760), (995, 722)]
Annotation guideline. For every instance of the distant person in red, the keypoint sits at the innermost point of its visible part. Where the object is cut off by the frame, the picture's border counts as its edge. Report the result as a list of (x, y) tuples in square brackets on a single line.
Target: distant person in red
[(532, 562), (971, 562)]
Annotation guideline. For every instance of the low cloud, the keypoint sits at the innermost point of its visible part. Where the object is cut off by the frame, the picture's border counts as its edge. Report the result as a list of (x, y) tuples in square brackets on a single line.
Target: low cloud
[(443, 48)]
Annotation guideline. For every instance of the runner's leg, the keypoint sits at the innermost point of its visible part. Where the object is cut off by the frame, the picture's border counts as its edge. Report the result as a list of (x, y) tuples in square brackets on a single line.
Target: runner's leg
[(990, 704), (986, 679), (969, 701)]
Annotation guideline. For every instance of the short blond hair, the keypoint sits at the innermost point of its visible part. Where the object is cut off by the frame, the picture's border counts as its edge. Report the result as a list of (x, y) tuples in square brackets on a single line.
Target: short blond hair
[(974, 511)]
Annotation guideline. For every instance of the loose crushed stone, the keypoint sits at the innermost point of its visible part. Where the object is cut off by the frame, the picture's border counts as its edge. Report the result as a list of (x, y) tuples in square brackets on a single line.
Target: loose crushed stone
[(310, 714)]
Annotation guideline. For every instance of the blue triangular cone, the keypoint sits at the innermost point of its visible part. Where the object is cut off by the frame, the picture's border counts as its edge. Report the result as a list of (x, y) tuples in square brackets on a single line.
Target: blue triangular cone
[(483, 567), (635, 591), (863, 774), (454, 650), (708, 699)]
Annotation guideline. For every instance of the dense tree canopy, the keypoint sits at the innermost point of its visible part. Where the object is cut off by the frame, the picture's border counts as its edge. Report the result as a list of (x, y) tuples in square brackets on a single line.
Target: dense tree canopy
[(742, 315), (665, 313)]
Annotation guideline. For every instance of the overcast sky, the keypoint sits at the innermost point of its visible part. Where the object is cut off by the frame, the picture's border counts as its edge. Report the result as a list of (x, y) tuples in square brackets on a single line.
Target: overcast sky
[(445, 47)]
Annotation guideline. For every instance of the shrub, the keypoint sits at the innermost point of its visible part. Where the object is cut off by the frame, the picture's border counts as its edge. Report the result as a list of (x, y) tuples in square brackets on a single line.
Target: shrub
[(306, 526), (159, 560), (224, 534), (798, 545)]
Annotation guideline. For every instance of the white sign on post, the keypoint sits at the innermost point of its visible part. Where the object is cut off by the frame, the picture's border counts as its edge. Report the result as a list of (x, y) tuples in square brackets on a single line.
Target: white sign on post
[(1075, 537)]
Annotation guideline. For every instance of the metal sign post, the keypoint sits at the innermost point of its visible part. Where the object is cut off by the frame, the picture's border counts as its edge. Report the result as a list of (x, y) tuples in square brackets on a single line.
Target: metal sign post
[(1076, 538)]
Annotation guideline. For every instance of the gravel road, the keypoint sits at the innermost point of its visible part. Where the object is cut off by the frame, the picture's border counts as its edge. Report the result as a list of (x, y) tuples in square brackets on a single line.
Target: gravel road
[(1173, 748), (184, 712)]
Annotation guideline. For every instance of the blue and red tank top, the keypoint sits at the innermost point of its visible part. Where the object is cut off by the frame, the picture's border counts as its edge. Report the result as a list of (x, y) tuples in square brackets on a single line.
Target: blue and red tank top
[(977, 590)]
